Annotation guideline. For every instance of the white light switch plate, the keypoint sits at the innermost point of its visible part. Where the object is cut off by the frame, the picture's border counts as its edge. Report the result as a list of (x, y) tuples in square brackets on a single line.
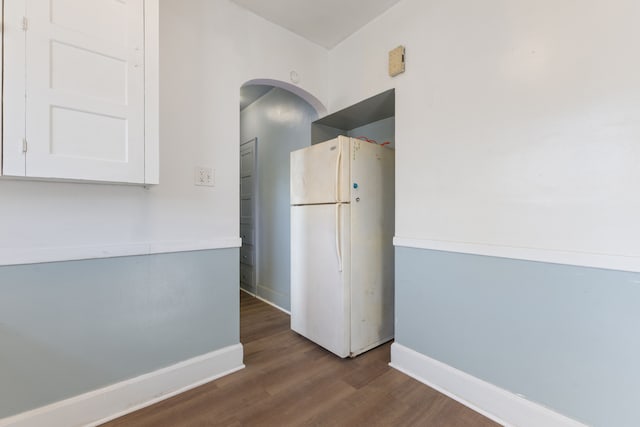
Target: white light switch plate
[(204, 176)]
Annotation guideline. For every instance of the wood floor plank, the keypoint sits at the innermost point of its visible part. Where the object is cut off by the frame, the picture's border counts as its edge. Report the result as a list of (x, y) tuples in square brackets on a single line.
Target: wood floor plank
[(290, 381)]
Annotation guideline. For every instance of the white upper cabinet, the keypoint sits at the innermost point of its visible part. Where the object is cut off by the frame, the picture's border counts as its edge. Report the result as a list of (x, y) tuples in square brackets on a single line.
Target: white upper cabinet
[(80, 97)]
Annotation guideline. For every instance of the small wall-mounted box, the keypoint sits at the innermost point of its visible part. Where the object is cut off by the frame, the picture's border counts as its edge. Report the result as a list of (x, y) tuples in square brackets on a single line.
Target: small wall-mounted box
[(396, 61)]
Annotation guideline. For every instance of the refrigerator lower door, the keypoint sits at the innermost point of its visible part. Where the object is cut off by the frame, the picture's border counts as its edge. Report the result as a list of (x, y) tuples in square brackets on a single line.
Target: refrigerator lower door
[(320, 292)]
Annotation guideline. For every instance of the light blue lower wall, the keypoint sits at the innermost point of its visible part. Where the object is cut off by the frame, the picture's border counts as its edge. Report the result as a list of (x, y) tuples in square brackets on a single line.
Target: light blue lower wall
[(562, 336), (70, 327)]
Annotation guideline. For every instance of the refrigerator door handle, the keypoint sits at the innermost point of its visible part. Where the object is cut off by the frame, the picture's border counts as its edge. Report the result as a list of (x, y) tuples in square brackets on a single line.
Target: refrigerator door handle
[(338, 237), (338, 161)]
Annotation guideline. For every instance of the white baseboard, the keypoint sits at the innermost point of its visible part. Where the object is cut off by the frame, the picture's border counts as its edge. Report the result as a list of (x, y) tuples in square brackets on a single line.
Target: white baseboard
[(247, 292), (266, 301), (273, 305), (105, 404), (503, 407)]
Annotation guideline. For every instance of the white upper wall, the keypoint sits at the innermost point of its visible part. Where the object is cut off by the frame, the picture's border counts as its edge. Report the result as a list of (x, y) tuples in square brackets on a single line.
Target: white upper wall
[(517, 124), (208, 49)]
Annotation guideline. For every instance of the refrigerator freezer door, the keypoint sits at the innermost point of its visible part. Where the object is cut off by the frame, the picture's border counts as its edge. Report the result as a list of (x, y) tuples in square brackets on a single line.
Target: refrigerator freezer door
[(320, 173), (320, 271)]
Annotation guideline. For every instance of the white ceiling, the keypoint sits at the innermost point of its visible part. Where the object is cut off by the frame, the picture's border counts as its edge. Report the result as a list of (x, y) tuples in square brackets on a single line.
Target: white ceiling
[(324, 22)]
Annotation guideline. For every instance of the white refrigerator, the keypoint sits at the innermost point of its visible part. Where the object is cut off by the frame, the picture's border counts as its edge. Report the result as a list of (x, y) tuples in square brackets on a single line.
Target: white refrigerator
[(342, 221)]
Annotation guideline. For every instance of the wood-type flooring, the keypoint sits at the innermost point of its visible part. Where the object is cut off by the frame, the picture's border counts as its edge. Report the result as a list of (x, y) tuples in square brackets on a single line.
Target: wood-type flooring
[(290, 381)]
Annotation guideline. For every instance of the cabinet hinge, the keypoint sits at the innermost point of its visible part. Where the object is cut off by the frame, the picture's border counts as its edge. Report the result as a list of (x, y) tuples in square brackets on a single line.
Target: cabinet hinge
[(24, 145), (25, 23)]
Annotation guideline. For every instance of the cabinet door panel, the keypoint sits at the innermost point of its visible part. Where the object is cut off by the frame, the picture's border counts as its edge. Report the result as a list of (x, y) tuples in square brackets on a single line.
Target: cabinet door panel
[(73, 135), (13, 98), (106, 21), (68, 73), (85, 90)]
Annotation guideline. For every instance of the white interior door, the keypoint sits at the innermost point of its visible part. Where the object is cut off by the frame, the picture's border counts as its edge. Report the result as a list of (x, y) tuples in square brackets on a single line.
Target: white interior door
[(320, 296), (247, 182), (320, 173), (85, 89), (248, 253)]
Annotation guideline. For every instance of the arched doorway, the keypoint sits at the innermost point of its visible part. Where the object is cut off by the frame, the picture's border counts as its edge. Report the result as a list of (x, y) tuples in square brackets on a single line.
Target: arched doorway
[(275, 119), (321, 110)]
